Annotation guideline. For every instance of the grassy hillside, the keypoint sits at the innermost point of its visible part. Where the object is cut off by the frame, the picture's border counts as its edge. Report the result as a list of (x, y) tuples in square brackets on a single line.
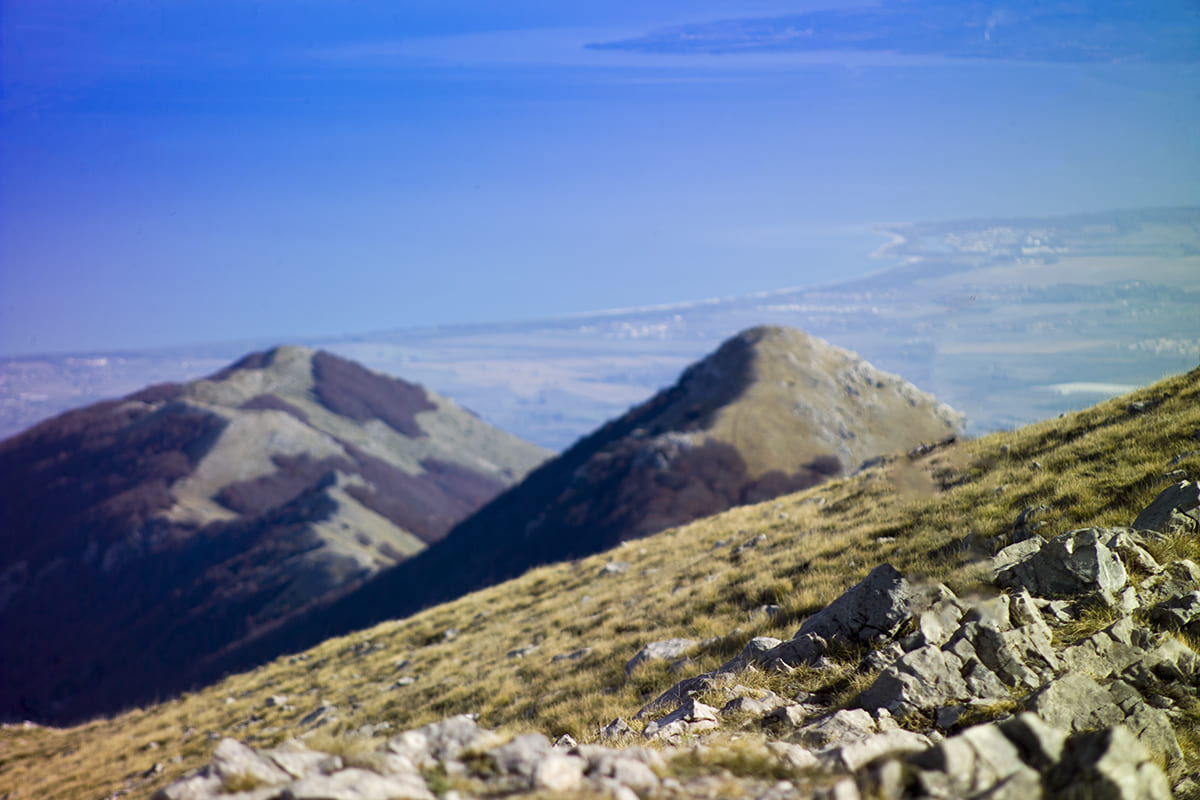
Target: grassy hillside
[(493, 652)]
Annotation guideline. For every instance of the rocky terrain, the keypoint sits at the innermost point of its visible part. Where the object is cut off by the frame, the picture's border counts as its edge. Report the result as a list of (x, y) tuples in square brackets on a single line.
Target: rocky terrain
[(144, 535), (772, 411), (1008, 616), (1095, 718)]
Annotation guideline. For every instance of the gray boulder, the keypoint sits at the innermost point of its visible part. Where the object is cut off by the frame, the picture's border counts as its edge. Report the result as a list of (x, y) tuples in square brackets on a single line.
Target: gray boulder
[(234, 761), (438, 741), (925, 678), (663, 650), (1178, 613), (871, 611), (1074, 563), (1108, 651), (1108, 765), (1176, 580), (521, 755), (975, 763), (1170, 507), (359, 784), (690, 719)]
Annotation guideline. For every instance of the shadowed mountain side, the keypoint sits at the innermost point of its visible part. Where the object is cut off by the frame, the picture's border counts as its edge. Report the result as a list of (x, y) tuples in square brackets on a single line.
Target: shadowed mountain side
[(141, 535), (772, 411)]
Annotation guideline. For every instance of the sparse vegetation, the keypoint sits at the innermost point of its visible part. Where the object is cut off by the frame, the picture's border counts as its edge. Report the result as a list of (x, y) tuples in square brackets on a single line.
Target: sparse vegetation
[(1097, 467)]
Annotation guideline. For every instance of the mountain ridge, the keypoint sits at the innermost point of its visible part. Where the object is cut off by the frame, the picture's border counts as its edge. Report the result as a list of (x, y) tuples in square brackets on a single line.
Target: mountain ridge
[(168, 524), (667, 461)]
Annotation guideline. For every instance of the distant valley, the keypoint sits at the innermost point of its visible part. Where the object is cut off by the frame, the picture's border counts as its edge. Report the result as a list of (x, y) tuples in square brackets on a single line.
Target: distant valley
[(1008, 321)]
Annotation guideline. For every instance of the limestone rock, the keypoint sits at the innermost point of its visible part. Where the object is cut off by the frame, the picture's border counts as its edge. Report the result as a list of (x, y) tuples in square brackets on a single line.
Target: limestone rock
[(1107, 651), (1180, 498), (1110, 764), (1176, 580), (840, 727), (691, 718), (438, 741), (751, 654), (233, 760), (1178, 613), (1075, 702), (754, 706), (615, 730), (559, 773), (359, 784), (663, 650), (793, 755), (521, 755), (925, 678), (299, 761), (854, 755), (1074, 563), (872, 610), (973, 762)]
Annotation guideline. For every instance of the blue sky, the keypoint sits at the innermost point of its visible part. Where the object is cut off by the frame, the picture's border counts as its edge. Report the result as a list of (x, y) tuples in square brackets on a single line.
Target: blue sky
[(196, 171)]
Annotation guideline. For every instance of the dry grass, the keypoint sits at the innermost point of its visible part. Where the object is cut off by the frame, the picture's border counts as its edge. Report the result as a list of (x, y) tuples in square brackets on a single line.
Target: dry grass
[(933, 517)]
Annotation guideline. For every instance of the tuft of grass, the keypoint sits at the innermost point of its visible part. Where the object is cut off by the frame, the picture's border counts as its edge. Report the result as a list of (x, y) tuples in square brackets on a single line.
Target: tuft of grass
[(746, 756), (242, 783), (1090, 620)]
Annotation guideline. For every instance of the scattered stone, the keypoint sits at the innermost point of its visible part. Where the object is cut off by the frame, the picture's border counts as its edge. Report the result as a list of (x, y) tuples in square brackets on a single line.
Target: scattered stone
[(690, 719), (234, 761), (574, 655), (1178, 499), (614, 568), (617, 729), (521, 652), (663, 650), (321, 715), (359, 784)]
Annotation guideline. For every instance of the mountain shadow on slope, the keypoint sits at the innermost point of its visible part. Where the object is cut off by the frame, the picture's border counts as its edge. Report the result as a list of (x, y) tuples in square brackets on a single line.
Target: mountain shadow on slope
[(142, 535), (771, 411)]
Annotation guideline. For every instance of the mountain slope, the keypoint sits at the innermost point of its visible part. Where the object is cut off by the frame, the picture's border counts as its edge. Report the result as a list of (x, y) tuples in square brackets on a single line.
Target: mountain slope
[(773, 410), (576, 625), (141, 534)]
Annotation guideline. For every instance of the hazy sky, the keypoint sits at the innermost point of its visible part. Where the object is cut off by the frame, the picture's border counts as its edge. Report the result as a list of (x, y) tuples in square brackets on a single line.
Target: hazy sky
[(202, 170)]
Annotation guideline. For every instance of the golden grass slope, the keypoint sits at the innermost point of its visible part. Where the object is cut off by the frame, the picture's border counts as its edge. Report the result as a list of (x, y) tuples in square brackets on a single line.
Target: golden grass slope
[(932, 516)]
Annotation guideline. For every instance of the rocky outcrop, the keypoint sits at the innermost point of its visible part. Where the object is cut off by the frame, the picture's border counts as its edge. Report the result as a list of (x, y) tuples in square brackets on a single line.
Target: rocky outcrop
[(1092, 716)]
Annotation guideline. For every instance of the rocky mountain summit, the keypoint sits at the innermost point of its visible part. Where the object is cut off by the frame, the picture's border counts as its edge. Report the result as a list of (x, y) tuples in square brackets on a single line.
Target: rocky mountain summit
[(990, 697), (773, 410), (139, 537)]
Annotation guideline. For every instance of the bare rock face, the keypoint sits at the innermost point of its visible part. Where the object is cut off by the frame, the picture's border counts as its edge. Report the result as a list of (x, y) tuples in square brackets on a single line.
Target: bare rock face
[(1074, 563), (205, 513), (1174, 508)]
